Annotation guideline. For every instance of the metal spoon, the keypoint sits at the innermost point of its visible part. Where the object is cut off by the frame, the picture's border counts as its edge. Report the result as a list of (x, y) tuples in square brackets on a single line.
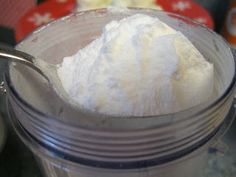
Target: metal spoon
[(48, 71)]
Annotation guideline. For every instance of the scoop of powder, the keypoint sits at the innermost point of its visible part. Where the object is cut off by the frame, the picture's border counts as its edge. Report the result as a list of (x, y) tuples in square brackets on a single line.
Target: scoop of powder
[(139, 66)]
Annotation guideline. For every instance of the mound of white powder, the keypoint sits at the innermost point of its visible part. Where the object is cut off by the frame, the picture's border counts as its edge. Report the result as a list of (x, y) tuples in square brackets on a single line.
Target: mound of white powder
[(139, 66)]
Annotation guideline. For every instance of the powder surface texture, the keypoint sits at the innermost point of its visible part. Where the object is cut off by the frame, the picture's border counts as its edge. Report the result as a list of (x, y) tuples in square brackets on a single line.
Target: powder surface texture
[(139, 66)]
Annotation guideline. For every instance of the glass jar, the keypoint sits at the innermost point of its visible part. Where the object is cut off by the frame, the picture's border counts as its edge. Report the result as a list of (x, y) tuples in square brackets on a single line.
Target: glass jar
[(78, 143)]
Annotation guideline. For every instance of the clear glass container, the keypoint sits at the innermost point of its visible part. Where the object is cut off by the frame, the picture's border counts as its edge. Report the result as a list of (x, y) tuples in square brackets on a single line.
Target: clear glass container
[(79, 143)]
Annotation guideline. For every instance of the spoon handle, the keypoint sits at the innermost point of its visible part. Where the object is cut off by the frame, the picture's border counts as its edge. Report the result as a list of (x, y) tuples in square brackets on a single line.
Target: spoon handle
[(12, 55), (9, 53)]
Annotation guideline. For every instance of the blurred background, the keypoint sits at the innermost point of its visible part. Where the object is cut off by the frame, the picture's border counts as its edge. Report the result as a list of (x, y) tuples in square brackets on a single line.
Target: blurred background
[(18, 18)]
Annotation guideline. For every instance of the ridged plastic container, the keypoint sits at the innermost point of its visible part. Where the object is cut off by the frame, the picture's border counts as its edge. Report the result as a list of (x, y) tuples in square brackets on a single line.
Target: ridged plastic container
[(78, 143)]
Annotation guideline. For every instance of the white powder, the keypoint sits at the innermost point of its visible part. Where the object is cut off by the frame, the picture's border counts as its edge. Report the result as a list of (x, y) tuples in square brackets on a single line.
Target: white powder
[(139, 66)]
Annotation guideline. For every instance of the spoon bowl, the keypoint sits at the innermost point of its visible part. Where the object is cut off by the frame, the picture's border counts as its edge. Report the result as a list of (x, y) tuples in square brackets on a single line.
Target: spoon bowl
[(45, 69)]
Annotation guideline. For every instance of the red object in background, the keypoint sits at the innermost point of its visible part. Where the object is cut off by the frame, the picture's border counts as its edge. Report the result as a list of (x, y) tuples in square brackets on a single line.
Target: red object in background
[(229, 29), (42, 14), (11, 11), (189, 9), (52, 9)]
